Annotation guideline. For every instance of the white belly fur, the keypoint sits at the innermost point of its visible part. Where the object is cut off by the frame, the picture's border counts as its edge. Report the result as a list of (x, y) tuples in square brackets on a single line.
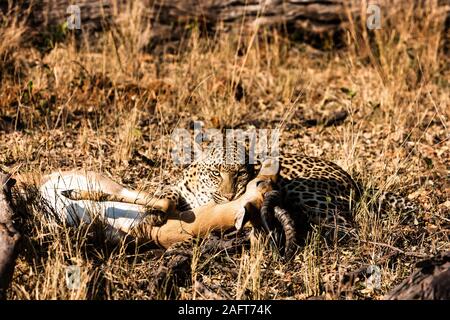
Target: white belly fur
[(121, 216)]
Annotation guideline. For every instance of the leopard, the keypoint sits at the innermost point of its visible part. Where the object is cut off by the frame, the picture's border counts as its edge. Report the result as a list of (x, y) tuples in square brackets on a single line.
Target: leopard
[(314, 190), (320, 192), (220, 174)]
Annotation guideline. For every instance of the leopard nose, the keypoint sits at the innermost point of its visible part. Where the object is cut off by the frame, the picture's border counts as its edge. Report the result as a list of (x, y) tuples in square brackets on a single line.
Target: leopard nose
[(229, 196)]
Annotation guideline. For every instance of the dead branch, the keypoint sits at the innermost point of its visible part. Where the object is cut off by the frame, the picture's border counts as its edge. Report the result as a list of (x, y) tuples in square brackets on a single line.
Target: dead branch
[(307, 20), (9, 237), (429, 281)]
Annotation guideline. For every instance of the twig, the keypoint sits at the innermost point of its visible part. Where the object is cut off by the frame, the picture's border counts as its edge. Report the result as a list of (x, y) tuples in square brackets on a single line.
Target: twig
[(406, 253), (9, 237)]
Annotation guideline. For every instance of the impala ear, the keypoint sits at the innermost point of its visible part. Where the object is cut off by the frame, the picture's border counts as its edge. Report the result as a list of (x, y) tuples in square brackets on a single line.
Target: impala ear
[(270, 168), (239, 220), (6, 182)]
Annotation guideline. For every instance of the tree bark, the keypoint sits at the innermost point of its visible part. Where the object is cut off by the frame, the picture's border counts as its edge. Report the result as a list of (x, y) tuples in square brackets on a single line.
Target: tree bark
[(171, 19), (9, 237), (429, 281)]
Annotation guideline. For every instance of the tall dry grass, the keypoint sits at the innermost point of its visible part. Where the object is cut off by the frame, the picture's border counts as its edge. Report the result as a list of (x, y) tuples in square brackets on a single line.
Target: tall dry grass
[(111, 107)]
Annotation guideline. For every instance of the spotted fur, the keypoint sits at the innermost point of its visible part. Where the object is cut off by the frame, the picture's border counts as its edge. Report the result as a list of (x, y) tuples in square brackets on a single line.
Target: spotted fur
[(319, 189), (312, 188), (323, 192), (221, 174)]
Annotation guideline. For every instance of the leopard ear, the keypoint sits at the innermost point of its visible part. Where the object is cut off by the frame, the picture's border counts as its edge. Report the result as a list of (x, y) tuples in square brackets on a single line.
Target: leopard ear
[(239, 220)]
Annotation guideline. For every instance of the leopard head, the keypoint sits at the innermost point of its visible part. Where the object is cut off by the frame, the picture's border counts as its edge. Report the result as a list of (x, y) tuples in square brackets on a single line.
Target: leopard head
[(220, 174)]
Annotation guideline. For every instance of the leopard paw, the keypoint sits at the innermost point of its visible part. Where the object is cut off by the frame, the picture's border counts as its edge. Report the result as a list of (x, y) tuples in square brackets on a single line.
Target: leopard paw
[(155, 216)]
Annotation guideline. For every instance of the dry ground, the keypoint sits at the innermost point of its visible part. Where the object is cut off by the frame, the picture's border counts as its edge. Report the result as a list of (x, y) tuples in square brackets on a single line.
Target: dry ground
[(111, 106)]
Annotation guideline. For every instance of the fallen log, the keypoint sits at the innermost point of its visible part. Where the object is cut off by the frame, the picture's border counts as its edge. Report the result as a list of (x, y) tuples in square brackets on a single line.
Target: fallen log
[(168, 18), (429, 281), (306, 20), (9, 237)]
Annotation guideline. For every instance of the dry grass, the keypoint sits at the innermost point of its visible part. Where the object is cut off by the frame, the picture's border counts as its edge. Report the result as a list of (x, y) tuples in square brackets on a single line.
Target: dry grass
[(111, 107)]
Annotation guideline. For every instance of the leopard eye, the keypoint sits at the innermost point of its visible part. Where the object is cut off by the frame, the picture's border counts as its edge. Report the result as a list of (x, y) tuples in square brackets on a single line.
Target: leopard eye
[(216, 173)]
